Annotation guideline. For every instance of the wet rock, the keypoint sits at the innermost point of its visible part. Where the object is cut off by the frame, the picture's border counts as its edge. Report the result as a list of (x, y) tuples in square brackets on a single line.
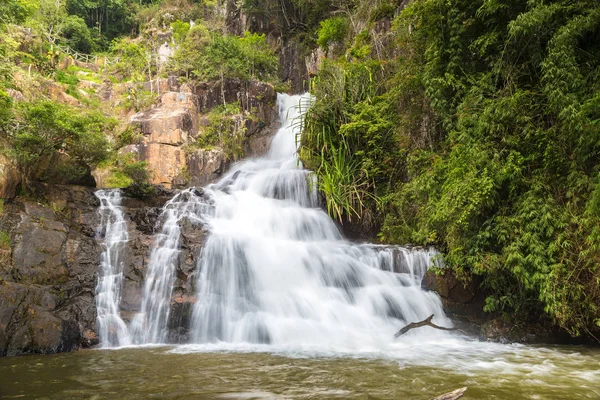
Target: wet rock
[(145, 219), (293, 67), (460, 299), (180, 318), (28, 325), (48, 274), (37, 255), (505, 330)]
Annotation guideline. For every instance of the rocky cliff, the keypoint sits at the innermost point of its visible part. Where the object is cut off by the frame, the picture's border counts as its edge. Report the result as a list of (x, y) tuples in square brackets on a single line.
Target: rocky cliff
[(49, 241), (49, 264), (170, 128)]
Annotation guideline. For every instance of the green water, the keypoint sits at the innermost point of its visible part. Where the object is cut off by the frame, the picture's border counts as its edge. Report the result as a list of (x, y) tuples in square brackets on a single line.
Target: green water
[(489, 371)]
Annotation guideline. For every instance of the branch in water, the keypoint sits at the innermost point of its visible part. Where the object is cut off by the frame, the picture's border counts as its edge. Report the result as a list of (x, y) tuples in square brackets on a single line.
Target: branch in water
[(425, 322)]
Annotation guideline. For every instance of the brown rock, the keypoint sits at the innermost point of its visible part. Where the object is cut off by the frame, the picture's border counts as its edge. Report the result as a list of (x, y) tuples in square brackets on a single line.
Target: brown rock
[(205, 166), (165, 126), (165, 162), (10, 178)]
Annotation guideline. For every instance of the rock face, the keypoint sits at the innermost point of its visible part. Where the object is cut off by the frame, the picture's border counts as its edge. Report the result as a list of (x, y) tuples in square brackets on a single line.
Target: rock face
[(49, 265), (9, 178), (176, 122), (48, 272)]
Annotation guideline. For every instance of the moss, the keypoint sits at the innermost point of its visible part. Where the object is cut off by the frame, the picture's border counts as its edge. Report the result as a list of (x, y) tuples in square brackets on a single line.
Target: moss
[(5, 240)]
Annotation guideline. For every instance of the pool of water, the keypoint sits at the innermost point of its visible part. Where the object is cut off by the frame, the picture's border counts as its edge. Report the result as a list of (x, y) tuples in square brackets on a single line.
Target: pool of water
[(409, 369)]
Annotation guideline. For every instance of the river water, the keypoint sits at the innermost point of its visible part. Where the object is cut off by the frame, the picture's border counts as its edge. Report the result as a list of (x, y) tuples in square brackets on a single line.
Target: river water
[(413, 369)]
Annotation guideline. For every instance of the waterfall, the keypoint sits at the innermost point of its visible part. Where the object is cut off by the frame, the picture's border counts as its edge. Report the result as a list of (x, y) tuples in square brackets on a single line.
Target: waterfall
[(113, 228), (276, 270), (150, 325)]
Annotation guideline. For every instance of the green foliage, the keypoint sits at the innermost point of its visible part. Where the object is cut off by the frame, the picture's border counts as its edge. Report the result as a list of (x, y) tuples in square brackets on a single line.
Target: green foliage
[(15, 11), (109, 18), (77, 35), (211, 55), (65, 77), (124, 171), (129, 135), (332, 30), (6, 114), (133, 60), (5, 240), (137, 172), (291, 18), (224, 130), (55, 143), (349, 138), (237, 57), (180, 30), (479, 134)]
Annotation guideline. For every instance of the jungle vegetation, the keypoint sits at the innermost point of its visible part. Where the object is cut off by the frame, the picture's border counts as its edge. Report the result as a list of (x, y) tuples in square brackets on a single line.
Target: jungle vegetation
[(473, 126)]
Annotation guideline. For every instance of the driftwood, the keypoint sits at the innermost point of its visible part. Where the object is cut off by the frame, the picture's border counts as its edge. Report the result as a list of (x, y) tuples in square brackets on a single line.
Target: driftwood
[(457, 394), (425, 322)]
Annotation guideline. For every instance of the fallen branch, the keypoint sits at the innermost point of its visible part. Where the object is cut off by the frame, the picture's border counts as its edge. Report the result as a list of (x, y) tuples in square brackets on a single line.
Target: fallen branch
[(425, 322), (457, 394)]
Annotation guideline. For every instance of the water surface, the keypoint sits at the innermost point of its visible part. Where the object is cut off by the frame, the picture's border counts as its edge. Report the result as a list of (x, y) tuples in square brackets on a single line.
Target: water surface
[(410, 370)]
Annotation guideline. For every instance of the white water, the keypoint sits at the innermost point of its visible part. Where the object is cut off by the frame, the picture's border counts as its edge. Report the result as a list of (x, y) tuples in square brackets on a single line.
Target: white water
[(150, 325), (276, 270), (113, 228)]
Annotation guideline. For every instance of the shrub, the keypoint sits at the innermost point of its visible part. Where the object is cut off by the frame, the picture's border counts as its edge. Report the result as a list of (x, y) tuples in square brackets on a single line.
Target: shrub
[(5, 241), (137, 171), (224, 131), (332, 30), (77, 34), (51, 132)]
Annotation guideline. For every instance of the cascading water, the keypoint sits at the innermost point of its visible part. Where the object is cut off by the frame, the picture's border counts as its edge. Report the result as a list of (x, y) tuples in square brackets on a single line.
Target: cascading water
[(113, 228), (150, 325), (276, 270)]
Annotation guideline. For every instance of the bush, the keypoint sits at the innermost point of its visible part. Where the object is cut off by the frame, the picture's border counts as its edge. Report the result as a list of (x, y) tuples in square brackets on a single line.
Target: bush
[(210, 56), (180, 30), (133, 60), (332, 30), (52, 135), (237, 57), (66, 78), (15, 11), (77, 34), (224, 131), (137, 171), (6, 114)]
